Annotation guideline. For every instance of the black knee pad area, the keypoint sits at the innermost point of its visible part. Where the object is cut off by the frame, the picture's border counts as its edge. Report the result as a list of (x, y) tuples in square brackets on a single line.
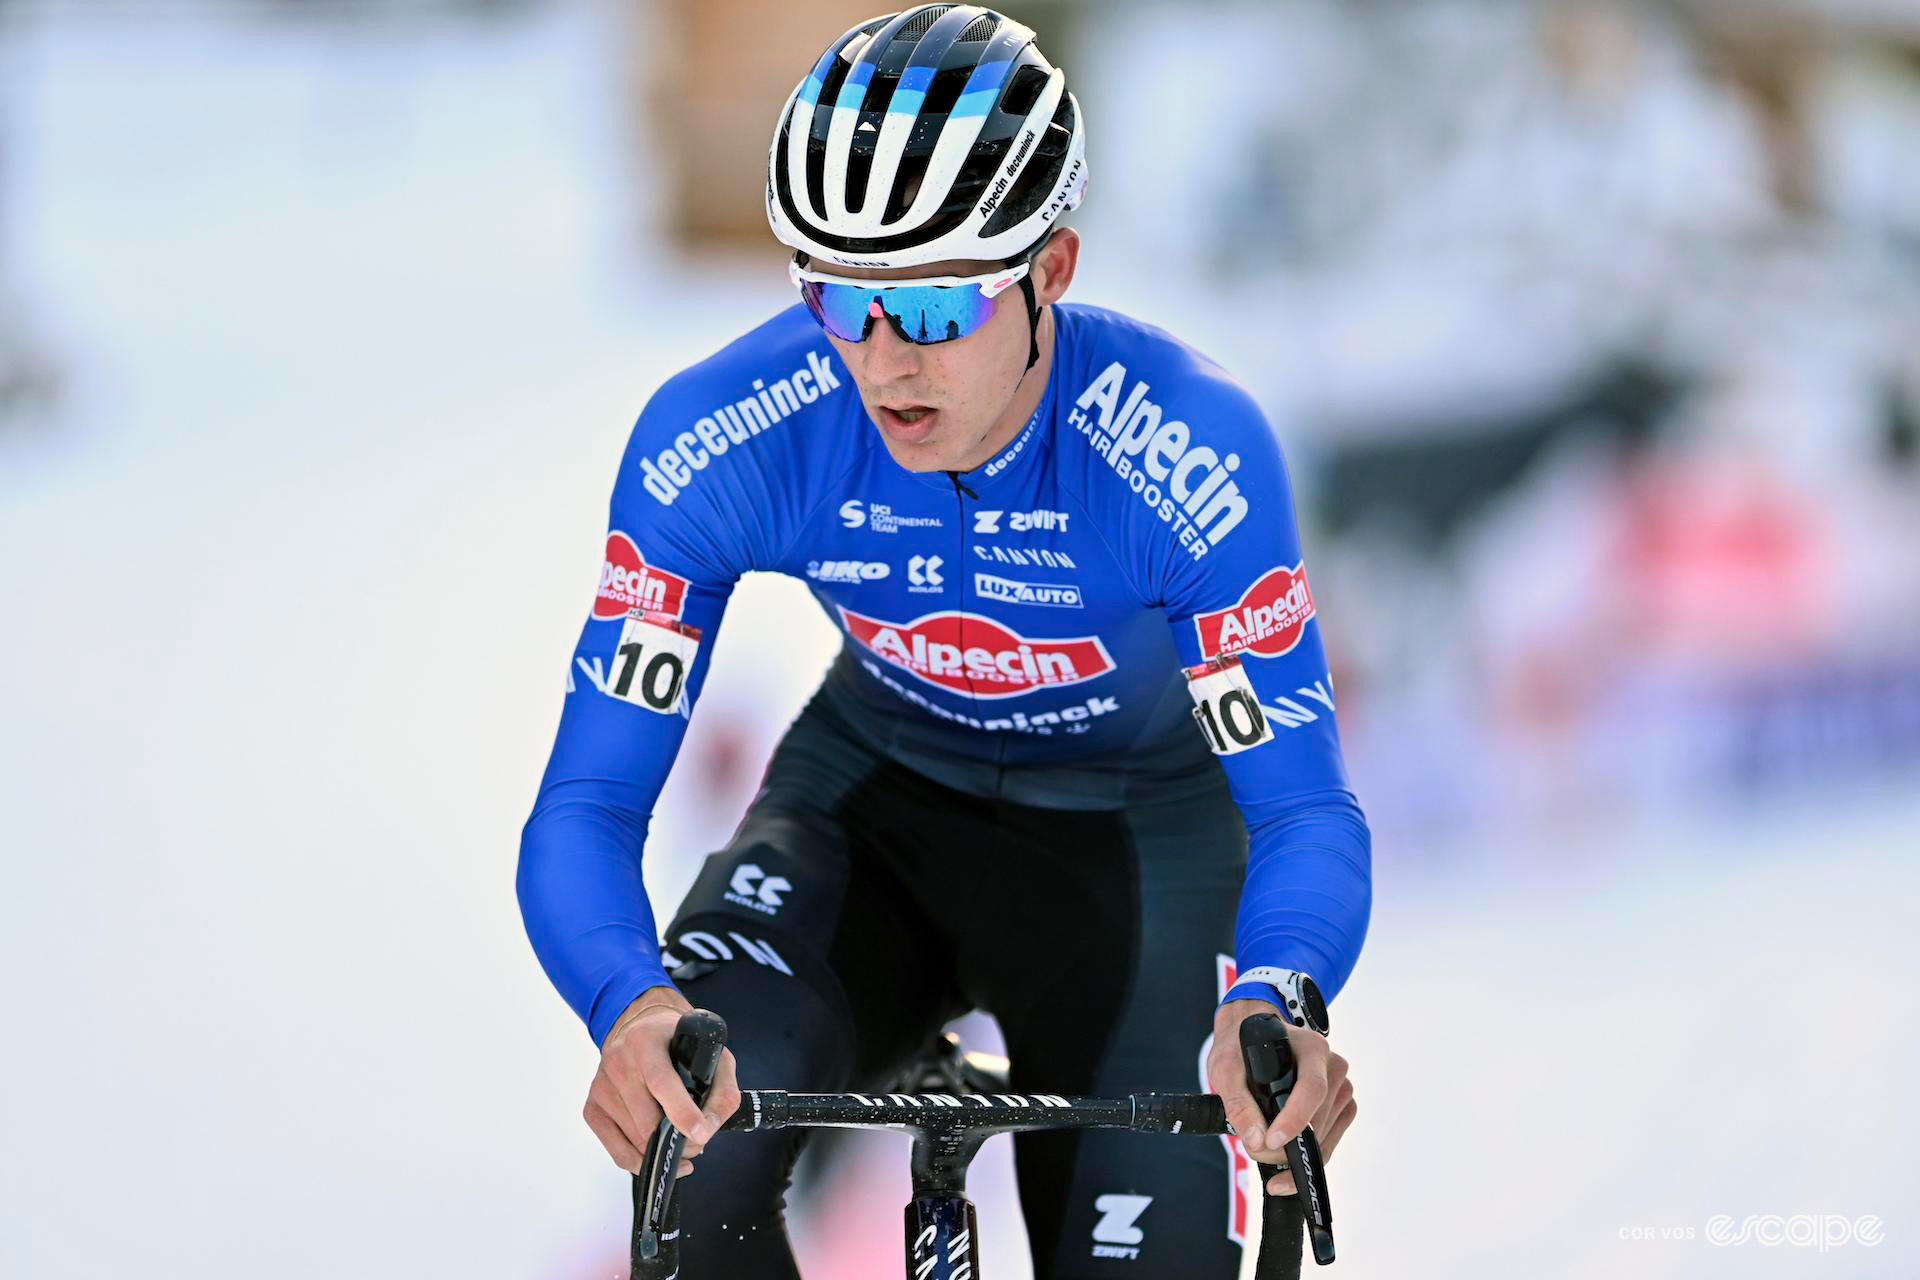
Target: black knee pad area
[(787, 1019)]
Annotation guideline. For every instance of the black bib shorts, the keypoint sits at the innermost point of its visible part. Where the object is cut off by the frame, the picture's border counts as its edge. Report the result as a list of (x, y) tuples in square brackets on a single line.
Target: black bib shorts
[(861, 905)]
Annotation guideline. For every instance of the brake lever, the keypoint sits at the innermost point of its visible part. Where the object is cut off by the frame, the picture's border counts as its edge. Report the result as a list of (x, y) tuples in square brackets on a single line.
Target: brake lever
[(695, 1052), (1271, 1073)]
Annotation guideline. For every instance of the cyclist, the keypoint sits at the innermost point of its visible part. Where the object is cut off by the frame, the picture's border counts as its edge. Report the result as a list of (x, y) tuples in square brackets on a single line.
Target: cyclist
[(1076, 763)]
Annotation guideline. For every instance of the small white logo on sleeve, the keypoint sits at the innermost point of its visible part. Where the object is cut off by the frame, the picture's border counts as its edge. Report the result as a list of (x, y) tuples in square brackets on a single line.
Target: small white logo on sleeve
[(853, 513), (756, 890), (1115, 1235)]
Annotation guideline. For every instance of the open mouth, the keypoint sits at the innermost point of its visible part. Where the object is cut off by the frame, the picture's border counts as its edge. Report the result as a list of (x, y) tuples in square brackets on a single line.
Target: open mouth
[(907, 422)]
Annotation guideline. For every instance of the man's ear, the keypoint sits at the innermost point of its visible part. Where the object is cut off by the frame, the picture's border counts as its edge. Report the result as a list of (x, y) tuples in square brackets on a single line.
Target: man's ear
[(1054, 265)]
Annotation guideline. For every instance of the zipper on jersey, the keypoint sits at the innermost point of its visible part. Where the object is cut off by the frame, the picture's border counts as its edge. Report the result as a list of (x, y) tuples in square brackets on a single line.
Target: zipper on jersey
[(960, 495)]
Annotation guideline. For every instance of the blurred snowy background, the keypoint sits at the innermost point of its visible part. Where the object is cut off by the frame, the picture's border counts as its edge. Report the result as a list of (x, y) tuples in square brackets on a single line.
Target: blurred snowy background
[(1593, 334)]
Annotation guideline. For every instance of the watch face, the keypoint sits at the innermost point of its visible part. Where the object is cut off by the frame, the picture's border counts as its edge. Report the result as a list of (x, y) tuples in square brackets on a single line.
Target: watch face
[(1312, 1007)]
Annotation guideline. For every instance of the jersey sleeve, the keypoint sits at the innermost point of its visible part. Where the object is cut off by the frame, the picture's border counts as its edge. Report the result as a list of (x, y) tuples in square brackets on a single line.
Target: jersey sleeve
[(634, 678), (1245, 626)]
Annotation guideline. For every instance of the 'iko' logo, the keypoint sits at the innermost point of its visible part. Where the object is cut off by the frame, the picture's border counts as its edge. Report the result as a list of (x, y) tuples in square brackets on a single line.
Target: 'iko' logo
[(1115, 1235), (756, 890)]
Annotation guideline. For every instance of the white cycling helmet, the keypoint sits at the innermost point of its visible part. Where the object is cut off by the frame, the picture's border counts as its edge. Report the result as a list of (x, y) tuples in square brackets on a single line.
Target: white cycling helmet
[(939, 132)]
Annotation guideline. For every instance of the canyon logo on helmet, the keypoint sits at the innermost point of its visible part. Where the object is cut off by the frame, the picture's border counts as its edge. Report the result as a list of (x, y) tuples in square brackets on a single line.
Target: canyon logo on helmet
[(932, 134)]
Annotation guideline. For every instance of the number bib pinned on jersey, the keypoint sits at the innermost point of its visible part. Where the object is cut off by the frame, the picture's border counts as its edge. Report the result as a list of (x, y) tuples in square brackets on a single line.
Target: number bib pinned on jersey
[(651, 663), (1225, 708)]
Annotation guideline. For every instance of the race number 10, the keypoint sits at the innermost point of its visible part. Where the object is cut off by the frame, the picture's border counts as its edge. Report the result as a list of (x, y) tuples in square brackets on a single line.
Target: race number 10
[(1225, 708), (650, 664)]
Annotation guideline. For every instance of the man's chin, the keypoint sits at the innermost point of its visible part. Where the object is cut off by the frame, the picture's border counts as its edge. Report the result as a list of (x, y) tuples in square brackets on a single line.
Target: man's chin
[(923, 455)]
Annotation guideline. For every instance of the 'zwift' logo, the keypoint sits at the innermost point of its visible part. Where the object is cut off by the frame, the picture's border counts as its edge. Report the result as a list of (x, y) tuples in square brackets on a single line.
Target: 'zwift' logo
[(1116, 1235), (972, 654)]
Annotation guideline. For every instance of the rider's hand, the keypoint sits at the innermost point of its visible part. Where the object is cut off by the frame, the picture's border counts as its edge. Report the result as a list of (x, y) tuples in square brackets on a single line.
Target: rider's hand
[(1322, 1095), (636, 1082)]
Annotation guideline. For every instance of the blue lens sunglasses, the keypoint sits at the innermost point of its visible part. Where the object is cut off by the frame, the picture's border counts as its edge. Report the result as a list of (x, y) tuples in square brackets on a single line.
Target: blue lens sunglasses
[(925, 311)]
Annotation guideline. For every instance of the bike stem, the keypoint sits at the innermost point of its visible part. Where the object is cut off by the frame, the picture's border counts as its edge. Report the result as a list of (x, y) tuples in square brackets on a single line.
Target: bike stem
[(942, 1243)]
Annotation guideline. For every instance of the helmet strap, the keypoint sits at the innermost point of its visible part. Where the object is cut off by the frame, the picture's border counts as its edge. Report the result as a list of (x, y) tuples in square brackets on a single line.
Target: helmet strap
[(1033, 324)]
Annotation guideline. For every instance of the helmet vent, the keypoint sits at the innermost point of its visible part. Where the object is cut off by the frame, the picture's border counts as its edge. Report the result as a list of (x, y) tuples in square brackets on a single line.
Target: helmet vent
[(918, 26), (1023, 91), (981, 28)]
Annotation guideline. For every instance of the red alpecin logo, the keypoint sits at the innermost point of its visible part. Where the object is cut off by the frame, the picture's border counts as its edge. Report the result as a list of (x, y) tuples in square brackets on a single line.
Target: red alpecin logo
[(972, 654), (627, 582), (1269, 619)]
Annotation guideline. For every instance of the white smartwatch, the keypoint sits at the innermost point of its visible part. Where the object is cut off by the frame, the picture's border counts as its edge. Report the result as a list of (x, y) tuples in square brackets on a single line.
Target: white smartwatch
[(1304, 1006)]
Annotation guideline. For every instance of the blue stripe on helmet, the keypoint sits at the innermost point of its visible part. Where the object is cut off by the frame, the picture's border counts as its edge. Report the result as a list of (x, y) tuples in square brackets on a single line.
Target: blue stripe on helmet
[(983, 88), (817, 78), (911, 91), (853, 91)]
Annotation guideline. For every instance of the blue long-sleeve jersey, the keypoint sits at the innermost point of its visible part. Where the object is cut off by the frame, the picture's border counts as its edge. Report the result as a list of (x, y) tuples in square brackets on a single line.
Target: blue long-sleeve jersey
[(1096, 614)]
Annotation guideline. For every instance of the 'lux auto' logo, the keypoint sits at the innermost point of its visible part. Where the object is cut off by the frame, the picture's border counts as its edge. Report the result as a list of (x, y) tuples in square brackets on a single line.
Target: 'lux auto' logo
[(756, 890)]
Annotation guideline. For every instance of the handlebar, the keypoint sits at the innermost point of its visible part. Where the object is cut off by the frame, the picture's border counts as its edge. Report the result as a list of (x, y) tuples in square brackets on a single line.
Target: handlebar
[(978, 1114), (700, 1036)]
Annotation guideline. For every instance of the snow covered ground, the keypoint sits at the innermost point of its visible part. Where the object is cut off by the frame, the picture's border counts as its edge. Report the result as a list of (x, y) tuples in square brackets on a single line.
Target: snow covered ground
[(353, 330)]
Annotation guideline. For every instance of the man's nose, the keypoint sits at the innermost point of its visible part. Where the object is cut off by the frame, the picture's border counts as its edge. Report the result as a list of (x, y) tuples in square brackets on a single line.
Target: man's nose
[(888, 359)]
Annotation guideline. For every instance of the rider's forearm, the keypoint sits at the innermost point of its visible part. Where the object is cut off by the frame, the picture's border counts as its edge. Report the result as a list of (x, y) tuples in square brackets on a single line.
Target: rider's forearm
[(585, 906), (1308, 894)]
